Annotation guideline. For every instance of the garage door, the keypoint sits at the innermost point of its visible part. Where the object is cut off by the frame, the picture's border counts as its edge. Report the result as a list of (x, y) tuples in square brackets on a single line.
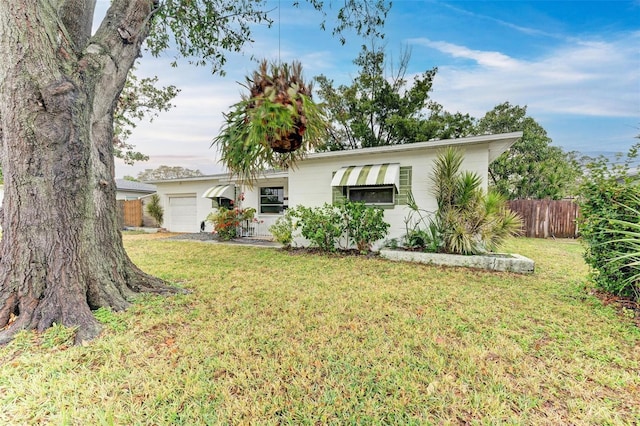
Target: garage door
[(183, 214)]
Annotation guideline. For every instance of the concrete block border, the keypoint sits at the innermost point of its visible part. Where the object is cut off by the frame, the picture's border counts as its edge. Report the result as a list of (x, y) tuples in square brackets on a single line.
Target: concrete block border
[(492, 262)]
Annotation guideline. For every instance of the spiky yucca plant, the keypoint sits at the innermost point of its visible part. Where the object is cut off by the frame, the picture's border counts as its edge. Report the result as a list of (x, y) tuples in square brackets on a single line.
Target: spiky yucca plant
[(274, 126), (469, 221)]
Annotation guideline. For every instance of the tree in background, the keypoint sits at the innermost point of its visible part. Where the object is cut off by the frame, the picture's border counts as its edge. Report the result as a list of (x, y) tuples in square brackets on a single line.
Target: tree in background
[(140, 98), (381, 108), (167, 172), (531, 168), (61, 254)]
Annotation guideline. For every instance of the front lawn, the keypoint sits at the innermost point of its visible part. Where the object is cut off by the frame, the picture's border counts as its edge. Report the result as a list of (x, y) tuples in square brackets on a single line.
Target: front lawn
[(269, 337)]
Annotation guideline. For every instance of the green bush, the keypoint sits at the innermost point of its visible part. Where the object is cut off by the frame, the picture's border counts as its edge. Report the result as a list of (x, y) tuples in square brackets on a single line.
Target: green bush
[(282, 229), (609, 202), (322, 226), (363, 225), (357, 224), (469, 220), (422, 232), (628, 242)]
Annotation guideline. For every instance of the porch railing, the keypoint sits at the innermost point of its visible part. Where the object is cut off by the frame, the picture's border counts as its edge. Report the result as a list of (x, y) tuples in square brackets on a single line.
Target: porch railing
[(258, 228)]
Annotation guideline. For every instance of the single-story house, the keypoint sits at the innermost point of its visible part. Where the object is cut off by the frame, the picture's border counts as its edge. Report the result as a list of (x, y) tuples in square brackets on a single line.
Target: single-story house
[(381, 176)]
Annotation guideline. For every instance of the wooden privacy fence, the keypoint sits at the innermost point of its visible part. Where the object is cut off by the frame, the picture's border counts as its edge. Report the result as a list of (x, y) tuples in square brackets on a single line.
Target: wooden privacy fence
[(130, 212), (547, 218)]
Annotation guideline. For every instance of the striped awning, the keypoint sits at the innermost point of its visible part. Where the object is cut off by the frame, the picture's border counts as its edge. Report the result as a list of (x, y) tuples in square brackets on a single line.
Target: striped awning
[(224, 191), (369, 175)]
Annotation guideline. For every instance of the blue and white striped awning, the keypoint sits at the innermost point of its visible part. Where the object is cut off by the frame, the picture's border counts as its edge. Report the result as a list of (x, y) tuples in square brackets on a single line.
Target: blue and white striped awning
[(369, 175), (223, 191)]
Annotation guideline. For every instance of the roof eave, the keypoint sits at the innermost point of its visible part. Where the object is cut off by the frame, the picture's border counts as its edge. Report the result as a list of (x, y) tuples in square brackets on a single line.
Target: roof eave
[(499, 143)]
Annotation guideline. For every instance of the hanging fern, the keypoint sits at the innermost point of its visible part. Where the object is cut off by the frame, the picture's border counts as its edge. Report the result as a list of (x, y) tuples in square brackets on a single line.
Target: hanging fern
[(273, 127)]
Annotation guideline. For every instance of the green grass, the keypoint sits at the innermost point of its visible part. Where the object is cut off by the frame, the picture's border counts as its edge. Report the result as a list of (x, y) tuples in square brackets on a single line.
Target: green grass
[(269, 337)]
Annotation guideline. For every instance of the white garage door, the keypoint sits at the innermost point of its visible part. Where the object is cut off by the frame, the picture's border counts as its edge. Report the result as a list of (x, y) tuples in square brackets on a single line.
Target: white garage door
[(183, 214)]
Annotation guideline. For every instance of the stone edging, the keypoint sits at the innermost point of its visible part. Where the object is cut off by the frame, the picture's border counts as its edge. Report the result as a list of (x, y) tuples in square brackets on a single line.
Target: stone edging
[(493, 262)]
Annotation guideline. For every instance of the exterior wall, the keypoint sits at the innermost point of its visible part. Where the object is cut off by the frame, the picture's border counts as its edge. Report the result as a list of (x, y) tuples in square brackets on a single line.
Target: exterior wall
[(252, 199), (310, 182), (168, 189), (204, 206)]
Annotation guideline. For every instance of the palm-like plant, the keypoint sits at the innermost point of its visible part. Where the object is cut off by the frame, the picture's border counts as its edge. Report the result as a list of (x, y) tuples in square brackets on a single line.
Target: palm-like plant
[(468, 220), (626, 248), (272, 127)]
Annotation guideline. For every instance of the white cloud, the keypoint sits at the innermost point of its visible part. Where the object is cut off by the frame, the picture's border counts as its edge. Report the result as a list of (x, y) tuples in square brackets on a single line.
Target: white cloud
[(597, 78), (489, 59)]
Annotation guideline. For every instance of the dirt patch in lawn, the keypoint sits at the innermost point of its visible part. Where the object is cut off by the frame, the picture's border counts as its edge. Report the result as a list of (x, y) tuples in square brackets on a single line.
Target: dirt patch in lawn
[(623, 305)]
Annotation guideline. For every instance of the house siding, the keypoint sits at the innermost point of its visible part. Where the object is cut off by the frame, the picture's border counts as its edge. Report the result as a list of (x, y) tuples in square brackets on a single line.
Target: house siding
[(309, 182)]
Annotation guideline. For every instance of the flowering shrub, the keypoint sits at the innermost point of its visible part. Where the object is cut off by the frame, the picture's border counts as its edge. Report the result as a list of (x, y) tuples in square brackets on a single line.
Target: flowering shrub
[(227, 221)]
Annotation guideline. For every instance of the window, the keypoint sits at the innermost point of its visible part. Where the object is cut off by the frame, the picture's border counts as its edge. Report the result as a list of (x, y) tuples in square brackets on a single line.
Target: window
[(371, 194), (272, 199), (225, 202), (343, 190)]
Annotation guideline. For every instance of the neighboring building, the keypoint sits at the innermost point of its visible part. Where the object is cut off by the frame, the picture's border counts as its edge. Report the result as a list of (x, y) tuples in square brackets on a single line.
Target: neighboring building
[(381, 176), (128, 190), (131, 190)]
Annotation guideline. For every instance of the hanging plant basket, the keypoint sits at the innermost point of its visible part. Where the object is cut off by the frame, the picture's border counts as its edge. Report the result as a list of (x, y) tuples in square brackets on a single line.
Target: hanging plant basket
[(272, 127)]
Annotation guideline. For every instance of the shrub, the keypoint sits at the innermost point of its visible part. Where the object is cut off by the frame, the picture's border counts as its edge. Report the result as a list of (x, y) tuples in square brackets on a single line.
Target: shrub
[(628, 247), (356, 223), (227, 221), (609, 201), (422, 233), (155, 210), (322, 226), (363, 225), (282, 229)]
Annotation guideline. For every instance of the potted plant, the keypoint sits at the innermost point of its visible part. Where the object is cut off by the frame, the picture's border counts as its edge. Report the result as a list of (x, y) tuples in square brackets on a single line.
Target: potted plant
[(272, 127)]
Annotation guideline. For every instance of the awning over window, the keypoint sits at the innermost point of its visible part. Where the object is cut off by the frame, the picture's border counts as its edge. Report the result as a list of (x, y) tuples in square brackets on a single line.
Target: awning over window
[(370, 175), (224, 191)]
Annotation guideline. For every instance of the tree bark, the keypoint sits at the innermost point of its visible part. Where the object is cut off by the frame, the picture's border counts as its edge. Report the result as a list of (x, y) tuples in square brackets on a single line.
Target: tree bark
[(61, 250)]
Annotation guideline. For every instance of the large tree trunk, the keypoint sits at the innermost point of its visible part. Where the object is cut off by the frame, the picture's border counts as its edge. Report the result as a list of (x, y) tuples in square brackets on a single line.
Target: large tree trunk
[(61, 249)]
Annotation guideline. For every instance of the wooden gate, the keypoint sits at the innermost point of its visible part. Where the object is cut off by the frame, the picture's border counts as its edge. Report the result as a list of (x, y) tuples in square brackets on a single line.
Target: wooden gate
[(547, 218), (130, 212)]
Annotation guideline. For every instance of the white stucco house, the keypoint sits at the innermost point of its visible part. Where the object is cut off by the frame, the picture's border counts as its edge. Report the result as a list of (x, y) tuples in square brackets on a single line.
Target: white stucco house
[(381, 176)]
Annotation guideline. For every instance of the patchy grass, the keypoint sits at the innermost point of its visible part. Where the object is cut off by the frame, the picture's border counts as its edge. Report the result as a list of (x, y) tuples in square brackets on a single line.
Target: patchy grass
[(268, 337)]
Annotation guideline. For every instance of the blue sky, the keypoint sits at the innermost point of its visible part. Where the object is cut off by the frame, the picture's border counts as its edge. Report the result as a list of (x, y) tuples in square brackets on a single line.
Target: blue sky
[(575, 64)]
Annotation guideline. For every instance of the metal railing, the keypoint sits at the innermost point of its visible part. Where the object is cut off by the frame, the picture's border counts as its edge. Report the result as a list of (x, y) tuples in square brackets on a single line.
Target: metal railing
[(258, 227)]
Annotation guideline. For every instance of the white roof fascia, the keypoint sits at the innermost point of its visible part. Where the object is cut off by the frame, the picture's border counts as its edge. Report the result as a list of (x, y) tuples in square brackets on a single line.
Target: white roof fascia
[(498, 144)]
